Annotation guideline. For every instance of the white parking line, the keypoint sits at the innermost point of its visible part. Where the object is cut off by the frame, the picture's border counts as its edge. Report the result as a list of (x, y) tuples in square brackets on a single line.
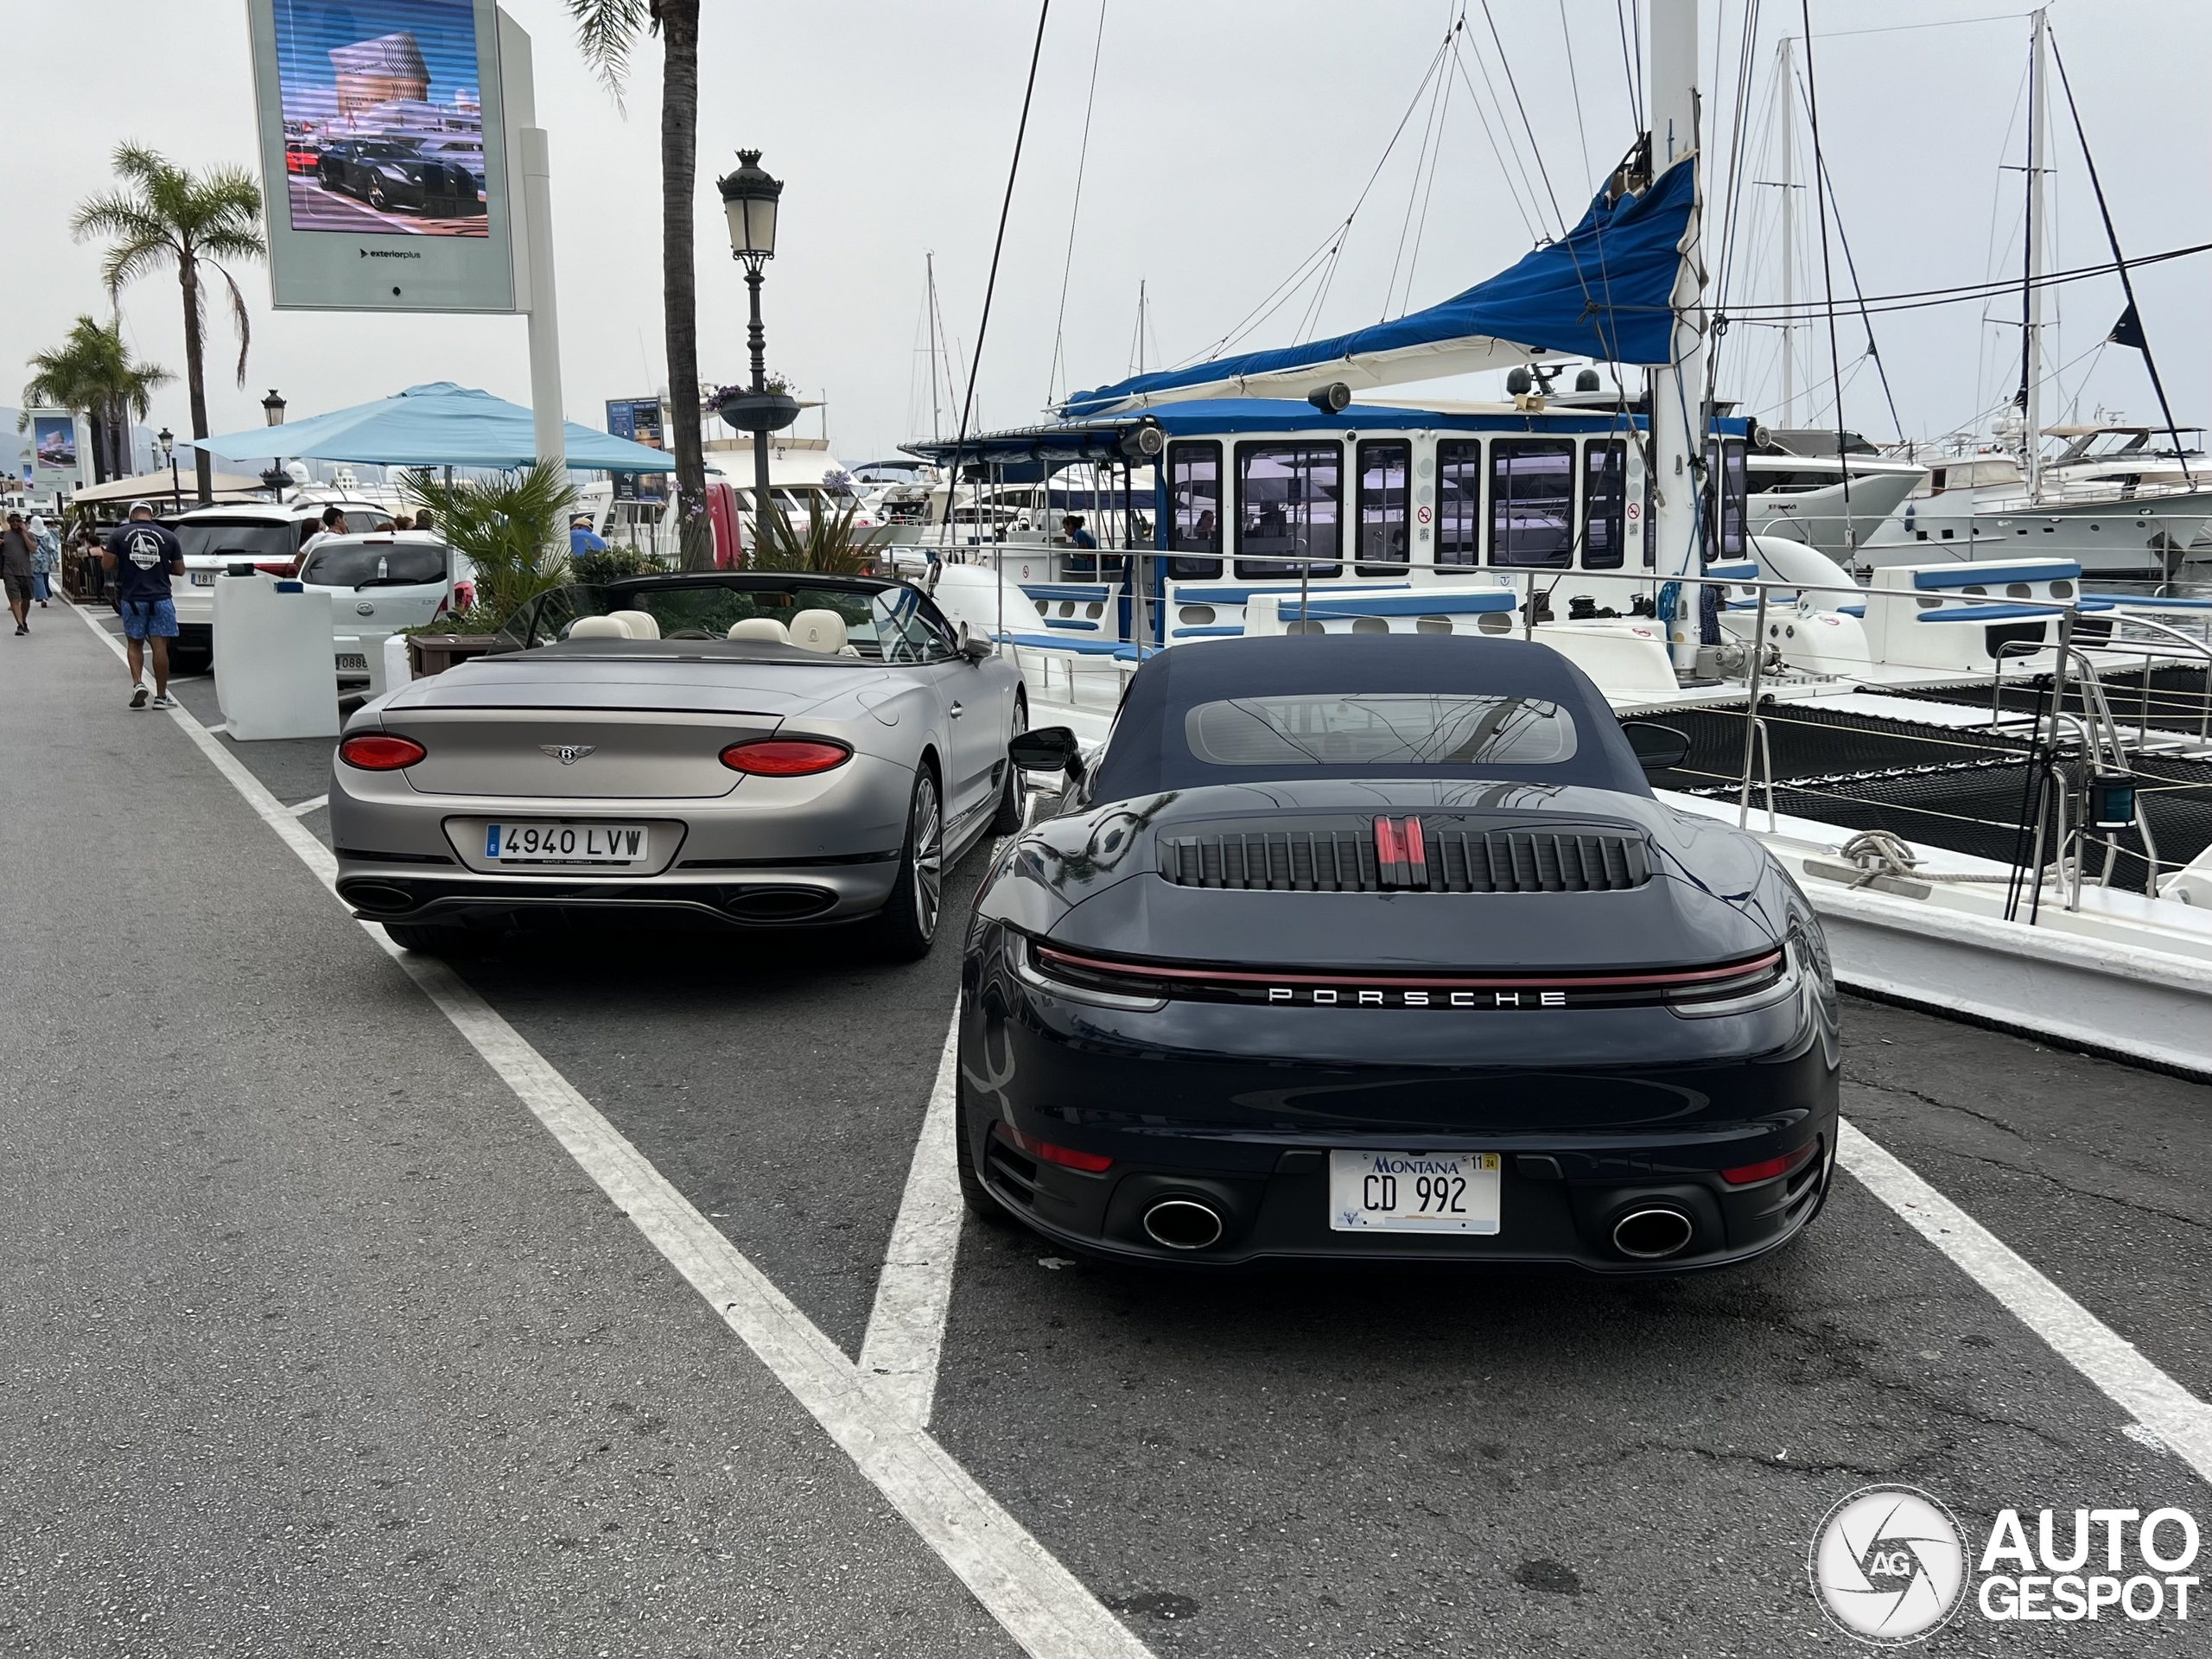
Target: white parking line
[(906, 1331), (301, 809), (1041, 1605), (2178, 1417)]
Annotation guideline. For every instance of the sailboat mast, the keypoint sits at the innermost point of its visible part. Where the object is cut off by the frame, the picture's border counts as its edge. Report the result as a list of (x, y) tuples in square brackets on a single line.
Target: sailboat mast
[(1785, 105), (2031, 344), (1678, 388), (936, 407)]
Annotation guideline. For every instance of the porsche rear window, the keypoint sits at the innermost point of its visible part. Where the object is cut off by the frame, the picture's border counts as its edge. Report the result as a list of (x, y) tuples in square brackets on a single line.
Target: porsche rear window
[(1367, 731)]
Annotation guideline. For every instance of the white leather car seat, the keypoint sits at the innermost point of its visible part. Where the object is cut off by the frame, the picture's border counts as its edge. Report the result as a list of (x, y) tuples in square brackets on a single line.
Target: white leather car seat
[(597, 628), (819, 630), (639, 625), (761, 627)]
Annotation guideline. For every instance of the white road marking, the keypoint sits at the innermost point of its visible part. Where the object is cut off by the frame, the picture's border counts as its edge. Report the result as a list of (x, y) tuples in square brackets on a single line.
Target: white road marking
[(905, 1329), (2154, 1399), (301, 809), (1042, 1605)]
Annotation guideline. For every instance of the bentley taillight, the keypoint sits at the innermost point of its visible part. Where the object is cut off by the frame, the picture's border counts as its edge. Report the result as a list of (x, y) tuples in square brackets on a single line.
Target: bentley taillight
[(380, 752), (785, 756)]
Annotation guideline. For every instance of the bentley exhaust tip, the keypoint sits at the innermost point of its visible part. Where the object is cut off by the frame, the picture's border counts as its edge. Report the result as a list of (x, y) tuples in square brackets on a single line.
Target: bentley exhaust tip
[(1653, 1233), (1183, 1224)]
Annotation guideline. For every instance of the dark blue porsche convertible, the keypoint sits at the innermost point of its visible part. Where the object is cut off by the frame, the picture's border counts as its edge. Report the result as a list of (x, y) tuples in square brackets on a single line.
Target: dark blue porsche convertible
[(1362, 947)]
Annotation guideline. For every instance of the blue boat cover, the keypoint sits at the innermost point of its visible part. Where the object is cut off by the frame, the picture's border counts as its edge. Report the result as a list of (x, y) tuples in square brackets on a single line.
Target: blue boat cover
[(1605, 292), (439, 424)]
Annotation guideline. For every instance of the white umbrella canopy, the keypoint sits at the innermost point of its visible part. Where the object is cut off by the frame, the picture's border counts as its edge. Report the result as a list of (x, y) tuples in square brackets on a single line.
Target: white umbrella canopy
[(156, 487)]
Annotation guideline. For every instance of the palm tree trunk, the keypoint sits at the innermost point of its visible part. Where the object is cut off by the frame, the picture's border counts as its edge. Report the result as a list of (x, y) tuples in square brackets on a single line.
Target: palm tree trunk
[(188, 271), (679, 164), (96, 419)]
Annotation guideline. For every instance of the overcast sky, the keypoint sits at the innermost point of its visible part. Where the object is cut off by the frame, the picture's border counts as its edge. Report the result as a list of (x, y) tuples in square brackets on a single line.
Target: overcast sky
[(1227, 138)]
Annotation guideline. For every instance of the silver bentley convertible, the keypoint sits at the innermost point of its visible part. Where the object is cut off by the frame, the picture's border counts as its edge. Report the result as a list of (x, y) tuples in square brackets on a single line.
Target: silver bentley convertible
[(729, 749)]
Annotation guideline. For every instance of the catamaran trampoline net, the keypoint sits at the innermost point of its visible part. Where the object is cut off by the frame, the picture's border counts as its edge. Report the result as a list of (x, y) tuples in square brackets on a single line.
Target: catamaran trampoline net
[(2173, 697), (1968, 791)]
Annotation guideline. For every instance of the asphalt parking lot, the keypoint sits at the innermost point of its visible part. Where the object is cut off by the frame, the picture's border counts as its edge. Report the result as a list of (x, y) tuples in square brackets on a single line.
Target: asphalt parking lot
[(319, 1342)]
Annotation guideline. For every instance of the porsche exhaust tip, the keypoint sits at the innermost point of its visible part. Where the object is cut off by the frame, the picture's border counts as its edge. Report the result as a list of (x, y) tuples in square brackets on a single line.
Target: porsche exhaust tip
[(1183, 1224), (1653, 1233)]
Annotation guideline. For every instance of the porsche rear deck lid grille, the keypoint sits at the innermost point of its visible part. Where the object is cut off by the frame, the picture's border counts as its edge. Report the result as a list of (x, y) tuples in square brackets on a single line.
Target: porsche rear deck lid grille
[(1407, 854)]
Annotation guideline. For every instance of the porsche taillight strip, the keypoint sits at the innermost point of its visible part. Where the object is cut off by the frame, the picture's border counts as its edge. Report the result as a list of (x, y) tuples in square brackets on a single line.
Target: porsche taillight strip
[(1306, 988), (1407, 854)]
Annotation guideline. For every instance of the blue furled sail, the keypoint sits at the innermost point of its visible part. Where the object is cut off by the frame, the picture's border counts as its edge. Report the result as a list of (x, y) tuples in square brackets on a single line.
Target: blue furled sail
[(1607, 291)]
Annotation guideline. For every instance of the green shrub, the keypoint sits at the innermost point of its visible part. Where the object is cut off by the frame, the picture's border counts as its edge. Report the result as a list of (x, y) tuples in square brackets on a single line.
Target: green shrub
[(513, 528), (593, 569)]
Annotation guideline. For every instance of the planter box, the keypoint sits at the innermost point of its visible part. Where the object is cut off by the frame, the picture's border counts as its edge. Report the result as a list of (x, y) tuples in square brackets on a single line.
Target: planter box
[(434, 653)]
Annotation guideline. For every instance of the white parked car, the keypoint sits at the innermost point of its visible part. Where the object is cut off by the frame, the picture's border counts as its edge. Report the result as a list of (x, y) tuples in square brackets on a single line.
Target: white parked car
[(379, 584), (267, 535)]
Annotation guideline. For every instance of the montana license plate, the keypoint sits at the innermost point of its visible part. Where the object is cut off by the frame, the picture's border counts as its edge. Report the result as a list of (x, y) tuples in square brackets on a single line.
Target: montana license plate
[(1414, 1192), (564, 843)]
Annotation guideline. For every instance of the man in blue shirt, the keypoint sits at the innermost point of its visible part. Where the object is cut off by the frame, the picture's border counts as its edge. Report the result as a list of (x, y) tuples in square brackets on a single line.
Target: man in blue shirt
[(143, 555), (582, 539)]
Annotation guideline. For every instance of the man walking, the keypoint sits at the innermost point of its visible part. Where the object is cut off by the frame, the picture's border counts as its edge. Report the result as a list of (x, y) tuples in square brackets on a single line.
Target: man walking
[(16, 549), (143, 555)]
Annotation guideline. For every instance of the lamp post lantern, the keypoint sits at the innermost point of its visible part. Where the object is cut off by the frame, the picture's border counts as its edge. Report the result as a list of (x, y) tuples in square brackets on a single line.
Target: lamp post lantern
[(273, 407), (750, 198), (165, 444)]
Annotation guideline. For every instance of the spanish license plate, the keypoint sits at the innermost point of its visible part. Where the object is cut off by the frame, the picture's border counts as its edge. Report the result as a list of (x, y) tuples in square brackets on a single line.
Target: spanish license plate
[(1414, 1192), (358, 661), (565, 843), (203, 578)]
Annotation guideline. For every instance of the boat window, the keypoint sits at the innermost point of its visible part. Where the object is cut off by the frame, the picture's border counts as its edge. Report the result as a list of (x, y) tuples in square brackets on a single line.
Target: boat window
[(1459, 503), (1604, 502), (1383, 515), (1532, 502), (1395, 730), (1194, 510), (1286, 496), (1727, 481)]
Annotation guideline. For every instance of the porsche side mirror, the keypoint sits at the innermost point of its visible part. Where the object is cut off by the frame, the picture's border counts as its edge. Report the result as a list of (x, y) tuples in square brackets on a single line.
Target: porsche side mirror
[(1658, 748), (1051, 748), (973, 645)]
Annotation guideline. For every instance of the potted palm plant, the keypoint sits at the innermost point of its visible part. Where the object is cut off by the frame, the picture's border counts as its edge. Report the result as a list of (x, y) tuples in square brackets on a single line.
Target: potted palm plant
[(511, 528)]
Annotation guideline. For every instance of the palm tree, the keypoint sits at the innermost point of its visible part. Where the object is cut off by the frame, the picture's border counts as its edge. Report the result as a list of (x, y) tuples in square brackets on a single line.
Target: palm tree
[(606, 30), (186, 219), (93, 371)]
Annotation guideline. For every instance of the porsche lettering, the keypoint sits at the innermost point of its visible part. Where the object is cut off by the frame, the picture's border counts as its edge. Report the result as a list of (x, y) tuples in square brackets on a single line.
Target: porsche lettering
[(1329, 996)]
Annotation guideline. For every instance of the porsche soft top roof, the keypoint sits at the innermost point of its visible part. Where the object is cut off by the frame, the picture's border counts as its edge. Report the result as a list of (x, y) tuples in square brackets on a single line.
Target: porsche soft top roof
[(1148, 752)]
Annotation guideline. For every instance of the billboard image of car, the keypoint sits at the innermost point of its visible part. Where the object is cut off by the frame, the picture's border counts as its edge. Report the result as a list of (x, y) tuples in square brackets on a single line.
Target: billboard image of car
[(54, 439), (383, 121)]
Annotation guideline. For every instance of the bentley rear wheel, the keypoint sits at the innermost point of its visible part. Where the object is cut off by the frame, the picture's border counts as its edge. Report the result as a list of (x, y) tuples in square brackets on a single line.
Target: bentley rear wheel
[(1009, 813), (908, 922)]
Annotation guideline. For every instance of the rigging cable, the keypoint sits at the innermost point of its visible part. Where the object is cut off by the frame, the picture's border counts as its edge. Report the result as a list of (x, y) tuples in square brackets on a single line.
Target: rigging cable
[(1573, 85), (990, 287), (1738, 126), (2127, 288), (1535, 205), (1632, 76), (1081, 160), (1435, 161), (1827, 278), (1529, 224), (1920, 299), (1820, 160), (1330, 243), (1534, 148), (1431, 142)]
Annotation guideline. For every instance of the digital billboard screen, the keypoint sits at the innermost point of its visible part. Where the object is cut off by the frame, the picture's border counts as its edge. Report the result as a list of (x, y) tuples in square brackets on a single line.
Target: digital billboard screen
[(384, 117), (55, 441)]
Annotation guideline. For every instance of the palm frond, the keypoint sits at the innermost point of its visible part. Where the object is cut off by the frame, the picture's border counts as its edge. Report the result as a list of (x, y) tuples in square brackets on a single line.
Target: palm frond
[(509, 527), (606, 29), (239, 319), (827, 546)]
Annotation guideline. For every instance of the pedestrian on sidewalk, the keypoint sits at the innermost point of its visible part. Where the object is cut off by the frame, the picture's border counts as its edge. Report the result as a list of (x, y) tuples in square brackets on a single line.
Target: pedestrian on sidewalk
[(143, 556), (16, 549), (45, 559)]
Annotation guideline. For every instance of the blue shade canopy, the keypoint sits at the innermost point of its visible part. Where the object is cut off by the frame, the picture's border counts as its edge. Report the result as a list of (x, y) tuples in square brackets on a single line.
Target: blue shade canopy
[(1607, 291), (440, 425)]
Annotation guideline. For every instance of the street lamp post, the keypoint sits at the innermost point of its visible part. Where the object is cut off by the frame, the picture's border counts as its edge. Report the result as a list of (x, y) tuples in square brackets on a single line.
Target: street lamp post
[(749, 201), (165, 440), (272, 410)]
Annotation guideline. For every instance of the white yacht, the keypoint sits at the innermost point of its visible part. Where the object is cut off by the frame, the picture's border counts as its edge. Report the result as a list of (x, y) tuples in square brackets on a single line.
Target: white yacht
[(2112, 501), (1797, 489)]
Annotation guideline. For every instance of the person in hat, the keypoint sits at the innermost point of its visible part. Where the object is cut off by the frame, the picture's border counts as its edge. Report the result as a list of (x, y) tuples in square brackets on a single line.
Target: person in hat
[(143, 555), (582, 538), (16, 549), (45, 559)]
